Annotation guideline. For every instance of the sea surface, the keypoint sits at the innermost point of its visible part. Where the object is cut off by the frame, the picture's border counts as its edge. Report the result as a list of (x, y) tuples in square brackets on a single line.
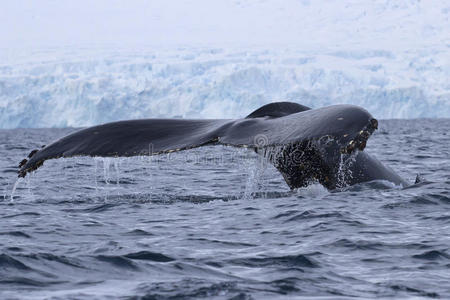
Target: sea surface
[(220, 223)]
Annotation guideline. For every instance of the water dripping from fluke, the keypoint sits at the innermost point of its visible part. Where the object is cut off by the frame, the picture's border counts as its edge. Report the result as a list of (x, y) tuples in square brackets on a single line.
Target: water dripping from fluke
[(14, 189)]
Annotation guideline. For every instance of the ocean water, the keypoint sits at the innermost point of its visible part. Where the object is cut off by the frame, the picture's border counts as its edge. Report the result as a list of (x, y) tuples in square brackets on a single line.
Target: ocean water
[(219, 222)]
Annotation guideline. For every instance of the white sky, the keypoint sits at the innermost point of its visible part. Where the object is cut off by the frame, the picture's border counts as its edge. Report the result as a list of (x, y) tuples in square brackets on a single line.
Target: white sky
[(34, 23)]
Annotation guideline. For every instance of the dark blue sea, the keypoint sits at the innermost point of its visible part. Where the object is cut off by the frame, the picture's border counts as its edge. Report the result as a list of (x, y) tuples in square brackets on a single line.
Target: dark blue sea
[(220, 223)]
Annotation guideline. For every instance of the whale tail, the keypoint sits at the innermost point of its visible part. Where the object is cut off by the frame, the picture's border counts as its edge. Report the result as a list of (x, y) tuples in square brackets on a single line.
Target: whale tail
[(310, 141)]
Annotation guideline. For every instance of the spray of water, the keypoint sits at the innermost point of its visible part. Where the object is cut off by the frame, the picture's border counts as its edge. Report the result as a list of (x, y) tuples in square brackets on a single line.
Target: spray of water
[(106, 167), (256, 169), (14, 189), (315, 190), (344, 173), (116, 168)]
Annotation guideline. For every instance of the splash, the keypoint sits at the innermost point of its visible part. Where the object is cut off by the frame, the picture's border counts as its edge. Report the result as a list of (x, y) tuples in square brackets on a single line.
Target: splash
[(106, 168), (16, 184), (345, 173), (256, 169), (315, 190), (116, 168)]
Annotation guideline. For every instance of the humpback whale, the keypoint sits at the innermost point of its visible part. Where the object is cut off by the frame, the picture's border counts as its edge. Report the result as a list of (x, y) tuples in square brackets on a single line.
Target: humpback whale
[(305, 145)]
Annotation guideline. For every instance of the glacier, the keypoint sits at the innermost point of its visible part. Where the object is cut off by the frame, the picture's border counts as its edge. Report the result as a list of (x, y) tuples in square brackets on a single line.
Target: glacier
[(218, 83), (157, 60)]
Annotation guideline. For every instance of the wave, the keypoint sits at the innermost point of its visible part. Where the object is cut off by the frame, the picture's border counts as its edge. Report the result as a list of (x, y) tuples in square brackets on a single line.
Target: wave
[(432, 255), (289, 261), (150, 256), (8, 262)]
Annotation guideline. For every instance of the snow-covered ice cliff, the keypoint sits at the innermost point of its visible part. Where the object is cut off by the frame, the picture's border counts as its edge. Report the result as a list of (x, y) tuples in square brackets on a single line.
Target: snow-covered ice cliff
[(391, 57)]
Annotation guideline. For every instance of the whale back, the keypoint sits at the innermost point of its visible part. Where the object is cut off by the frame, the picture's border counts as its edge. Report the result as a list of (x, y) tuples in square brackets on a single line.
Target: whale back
[(277, 110)]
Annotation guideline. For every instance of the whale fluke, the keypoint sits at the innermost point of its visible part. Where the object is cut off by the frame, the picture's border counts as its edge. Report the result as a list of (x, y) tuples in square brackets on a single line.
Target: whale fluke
[(320, 135)]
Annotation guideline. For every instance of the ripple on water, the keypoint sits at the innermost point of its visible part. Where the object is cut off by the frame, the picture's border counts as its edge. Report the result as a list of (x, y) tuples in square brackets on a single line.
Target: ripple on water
[(138, 232), (8, 262), (357, 245), (299, 260), (149, 256), (16, 234), (28, 282), (24, 214), (411, 290), (314, 215), (432, 255), (48, 257), (118, 261), (223, 243), (94, 209)]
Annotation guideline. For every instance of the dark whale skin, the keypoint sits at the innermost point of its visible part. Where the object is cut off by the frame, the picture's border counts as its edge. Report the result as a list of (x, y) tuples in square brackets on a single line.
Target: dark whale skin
[(274, 125)]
